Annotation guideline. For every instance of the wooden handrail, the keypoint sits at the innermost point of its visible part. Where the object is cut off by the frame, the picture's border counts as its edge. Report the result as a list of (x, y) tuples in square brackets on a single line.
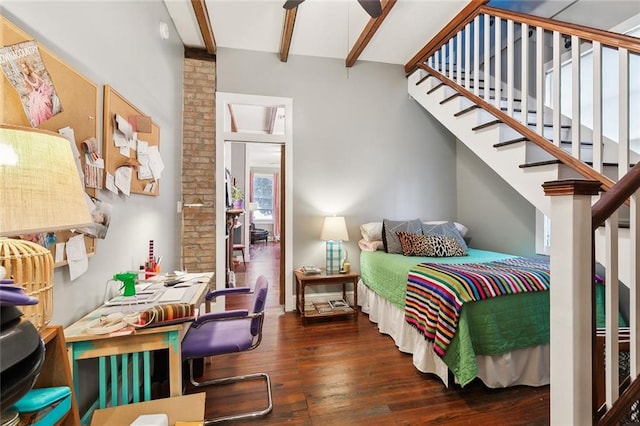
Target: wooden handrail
[(622, 405), (607, 38), (563, 156), (465, 16), (615, 197)]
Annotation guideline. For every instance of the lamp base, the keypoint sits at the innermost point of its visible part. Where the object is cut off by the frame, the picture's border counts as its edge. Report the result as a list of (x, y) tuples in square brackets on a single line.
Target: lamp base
[(334, 257)]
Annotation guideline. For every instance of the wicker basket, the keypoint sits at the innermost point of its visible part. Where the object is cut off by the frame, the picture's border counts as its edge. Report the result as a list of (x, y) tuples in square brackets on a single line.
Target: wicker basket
[(30, 266)]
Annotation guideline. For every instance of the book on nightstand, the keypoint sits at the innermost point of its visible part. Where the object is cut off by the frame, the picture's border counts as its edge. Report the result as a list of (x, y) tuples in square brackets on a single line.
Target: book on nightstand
[(323, 308), (338, 304), (311, 270)]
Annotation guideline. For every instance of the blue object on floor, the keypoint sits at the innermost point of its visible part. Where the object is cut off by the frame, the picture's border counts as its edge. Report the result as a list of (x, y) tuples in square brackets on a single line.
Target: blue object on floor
[(49, 405)]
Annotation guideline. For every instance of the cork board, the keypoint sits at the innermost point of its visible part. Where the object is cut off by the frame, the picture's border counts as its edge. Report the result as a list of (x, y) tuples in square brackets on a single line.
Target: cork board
[(116, 104), (78, 96)]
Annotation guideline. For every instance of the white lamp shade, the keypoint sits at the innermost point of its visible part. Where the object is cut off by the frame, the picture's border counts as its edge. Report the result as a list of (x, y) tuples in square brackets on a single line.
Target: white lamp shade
[(334, 229), (40, 188)]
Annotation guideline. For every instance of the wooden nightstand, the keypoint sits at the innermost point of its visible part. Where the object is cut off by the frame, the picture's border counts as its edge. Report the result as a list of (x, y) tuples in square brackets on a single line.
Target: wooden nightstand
[(311, 310)]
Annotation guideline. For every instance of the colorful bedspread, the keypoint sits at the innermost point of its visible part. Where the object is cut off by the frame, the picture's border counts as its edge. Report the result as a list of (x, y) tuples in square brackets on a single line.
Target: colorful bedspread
[(436, 292)]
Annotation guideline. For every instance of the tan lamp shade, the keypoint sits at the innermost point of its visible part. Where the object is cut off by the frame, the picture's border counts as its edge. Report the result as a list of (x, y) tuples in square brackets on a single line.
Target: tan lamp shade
[(40, 191), (334, 229)]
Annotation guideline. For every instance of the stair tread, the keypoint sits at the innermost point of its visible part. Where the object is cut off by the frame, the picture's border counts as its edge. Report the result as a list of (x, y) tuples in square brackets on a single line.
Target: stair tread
[(434, 88), (423, 79), (445, 100), (510, 142), (466, 110), (487, 124)]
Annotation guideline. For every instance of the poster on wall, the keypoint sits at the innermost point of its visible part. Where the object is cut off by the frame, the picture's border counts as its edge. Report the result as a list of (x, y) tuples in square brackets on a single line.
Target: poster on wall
[(23, 67)]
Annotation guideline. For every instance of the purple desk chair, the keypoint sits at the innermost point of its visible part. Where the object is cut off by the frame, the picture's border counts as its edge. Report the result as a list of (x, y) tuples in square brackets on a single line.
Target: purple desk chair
[(228, 332)]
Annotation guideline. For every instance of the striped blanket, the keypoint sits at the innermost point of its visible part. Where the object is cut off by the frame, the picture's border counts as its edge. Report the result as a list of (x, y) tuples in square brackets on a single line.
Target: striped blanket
[(436, 292)]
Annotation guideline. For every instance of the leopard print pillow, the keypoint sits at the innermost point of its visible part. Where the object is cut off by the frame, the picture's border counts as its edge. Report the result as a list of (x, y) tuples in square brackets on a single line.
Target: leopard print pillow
[(415, 244), (429, 245), (445, 246)]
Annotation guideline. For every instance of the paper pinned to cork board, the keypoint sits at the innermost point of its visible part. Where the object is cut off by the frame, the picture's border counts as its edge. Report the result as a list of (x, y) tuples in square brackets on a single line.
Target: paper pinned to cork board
[(140, 123)]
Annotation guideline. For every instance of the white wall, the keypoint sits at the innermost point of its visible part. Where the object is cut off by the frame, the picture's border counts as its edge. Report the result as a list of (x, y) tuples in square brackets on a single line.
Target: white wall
[(118, 43), (361, 147)]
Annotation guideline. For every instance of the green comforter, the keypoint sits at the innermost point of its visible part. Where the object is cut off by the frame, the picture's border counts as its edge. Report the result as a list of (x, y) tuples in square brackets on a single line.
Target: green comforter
[(489, 327)]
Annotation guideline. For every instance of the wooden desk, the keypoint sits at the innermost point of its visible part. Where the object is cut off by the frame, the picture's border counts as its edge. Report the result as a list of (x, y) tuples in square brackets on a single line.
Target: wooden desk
[(131, 346)]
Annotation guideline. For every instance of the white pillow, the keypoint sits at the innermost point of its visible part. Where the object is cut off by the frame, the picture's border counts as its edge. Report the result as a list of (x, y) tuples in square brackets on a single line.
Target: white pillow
[(373, 245), (371, 231), (460, 227)]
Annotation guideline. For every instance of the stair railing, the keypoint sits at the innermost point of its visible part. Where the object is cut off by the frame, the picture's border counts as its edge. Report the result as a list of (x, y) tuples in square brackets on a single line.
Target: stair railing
[(464, 53), (468, 56)]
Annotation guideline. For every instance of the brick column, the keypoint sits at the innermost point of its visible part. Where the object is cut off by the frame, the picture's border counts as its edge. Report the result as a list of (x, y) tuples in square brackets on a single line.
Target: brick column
[(198, 164)]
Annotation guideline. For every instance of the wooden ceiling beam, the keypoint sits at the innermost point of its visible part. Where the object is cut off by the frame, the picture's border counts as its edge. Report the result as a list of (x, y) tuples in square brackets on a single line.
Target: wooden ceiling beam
[(368, 33), (202, 16), (287, 33)]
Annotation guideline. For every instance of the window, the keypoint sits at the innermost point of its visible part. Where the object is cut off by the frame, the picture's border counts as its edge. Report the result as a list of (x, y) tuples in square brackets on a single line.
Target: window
[(263, 195)]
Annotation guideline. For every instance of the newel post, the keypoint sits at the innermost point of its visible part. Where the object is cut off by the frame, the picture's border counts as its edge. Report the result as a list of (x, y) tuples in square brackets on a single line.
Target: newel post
[(570, 299)]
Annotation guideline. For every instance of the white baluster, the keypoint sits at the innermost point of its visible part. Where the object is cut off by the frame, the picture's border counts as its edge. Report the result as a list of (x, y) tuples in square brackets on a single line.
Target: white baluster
[(575, 96)]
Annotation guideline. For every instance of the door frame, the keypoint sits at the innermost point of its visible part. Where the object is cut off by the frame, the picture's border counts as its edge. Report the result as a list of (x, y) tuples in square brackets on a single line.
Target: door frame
[(224, 134)]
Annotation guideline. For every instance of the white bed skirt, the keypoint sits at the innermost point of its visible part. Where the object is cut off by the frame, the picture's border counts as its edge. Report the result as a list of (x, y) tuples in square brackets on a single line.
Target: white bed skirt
[(520, 367)]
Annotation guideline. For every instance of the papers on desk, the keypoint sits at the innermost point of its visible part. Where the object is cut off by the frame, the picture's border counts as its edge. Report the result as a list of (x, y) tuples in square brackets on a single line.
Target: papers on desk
[(172, 295), (135, 300)]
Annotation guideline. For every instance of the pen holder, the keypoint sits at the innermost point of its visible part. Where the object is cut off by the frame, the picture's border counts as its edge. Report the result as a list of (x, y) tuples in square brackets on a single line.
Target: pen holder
[(151, 269)]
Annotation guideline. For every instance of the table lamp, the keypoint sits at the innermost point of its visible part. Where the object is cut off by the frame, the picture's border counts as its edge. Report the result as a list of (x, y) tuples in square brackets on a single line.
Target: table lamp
[(334, 232), (40, 191)]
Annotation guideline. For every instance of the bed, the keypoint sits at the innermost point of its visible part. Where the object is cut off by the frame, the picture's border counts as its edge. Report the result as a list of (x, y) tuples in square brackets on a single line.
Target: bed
[(503, 341)]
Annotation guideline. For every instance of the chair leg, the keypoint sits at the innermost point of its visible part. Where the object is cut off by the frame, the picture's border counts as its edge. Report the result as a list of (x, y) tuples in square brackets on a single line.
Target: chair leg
[(243, 262), (228, 380)]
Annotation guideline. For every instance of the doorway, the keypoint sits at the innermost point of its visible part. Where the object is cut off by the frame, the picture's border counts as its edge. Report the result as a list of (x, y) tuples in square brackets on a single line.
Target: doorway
[(269, 121)]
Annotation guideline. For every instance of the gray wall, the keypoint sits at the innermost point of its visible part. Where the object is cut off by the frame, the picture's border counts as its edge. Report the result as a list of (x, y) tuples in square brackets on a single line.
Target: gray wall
[(362, 148), (118, 43), (498, 218)]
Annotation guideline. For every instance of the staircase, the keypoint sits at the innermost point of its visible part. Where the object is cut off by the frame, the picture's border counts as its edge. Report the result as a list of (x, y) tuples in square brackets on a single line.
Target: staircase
[(507, 122)]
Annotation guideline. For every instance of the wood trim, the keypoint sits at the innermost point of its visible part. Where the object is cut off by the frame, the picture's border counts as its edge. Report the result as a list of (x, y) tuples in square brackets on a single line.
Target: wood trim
[(465, 16), (566, 28), (273, 113), (367, 34), (202, 16), (234, 124), (287, 33), (622, 405), (571, 187), (200, 54), (531, 135)]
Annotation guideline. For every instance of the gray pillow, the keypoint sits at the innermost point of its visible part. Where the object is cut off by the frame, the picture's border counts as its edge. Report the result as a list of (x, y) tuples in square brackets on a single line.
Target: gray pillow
[(447, 229), (390, 237)]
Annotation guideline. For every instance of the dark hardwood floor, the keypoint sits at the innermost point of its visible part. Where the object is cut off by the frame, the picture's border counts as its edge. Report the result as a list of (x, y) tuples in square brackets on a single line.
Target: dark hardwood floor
[(344, 372)]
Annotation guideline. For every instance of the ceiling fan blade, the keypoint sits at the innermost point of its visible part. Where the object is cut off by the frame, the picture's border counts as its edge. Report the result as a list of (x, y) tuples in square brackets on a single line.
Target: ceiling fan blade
[(372, 7), (290, 4)]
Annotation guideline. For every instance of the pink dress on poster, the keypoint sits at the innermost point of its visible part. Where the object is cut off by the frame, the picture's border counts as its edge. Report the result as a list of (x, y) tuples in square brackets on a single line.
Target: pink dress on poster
[(40, 96)]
